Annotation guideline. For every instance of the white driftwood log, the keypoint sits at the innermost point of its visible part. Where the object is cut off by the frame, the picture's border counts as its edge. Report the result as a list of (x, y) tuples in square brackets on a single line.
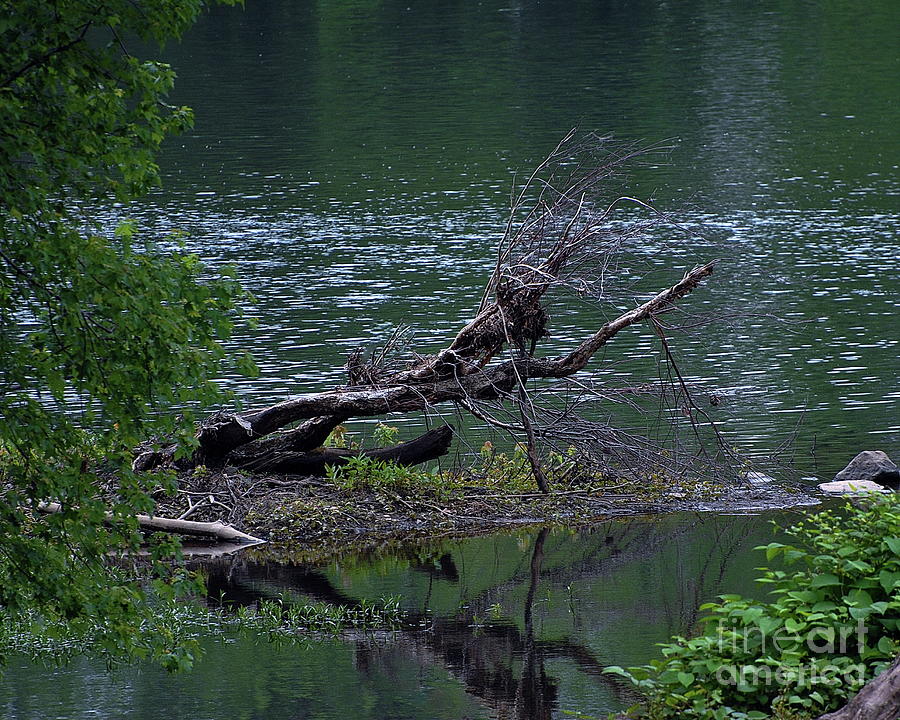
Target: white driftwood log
[(216, 530)]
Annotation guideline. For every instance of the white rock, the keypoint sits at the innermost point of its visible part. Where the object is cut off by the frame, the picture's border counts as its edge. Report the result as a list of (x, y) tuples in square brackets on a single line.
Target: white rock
[(847, 487)]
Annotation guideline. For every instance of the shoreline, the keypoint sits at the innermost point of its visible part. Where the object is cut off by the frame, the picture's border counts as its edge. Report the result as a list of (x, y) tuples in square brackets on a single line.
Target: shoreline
[(313, 517)]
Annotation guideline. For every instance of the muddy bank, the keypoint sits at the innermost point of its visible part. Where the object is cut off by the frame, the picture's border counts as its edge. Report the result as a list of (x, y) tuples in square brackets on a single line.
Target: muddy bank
[(317, 513)]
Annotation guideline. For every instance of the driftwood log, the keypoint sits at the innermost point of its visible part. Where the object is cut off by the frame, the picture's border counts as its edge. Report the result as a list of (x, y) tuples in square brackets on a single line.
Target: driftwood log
[(561, 236), (211, 530), (878, 700)]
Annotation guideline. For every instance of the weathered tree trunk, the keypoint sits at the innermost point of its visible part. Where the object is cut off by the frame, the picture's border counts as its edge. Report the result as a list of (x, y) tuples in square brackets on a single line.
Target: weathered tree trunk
[(878, 700), (429, 446)]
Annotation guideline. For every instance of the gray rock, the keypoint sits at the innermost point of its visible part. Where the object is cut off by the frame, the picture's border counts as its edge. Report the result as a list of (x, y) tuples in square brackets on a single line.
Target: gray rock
[(874, 466)]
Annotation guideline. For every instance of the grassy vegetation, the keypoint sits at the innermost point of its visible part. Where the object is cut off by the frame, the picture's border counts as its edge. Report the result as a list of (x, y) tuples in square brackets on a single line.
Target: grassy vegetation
[(178, 626), (833, 624), (362, 473), (368, 499), (491, 471)]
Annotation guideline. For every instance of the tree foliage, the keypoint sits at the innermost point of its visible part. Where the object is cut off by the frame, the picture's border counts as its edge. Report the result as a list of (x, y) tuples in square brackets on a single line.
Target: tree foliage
[(99, 330)]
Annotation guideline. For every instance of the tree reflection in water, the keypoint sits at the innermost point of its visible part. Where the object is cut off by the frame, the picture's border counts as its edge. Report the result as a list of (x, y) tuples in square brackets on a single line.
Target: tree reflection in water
[(502, 658)]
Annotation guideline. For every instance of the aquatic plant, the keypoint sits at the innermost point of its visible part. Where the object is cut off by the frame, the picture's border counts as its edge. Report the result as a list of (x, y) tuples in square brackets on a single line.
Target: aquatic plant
[(177, 626)]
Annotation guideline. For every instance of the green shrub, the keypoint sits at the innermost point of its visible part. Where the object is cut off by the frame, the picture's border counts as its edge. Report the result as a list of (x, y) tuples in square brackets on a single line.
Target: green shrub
[(364, 473), (338, 438), (511, 472), (385, 435), (832, 626)]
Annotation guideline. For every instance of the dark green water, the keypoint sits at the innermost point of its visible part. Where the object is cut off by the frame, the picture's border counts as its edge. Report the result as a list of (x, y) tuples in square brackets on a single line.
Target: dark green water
[(354, 159)]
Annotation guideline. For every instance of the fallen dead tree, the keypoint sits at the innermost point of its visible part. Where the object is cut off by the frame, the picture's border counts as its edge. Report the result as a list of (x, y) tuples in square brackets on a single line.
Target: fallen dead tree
[(561, 237)]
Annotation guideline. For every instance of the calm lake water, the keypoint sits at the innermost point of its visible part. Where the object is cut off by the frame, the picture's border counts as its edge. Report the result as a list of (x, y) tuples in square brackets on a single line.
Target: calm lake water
[(354, 160), (512, 625)]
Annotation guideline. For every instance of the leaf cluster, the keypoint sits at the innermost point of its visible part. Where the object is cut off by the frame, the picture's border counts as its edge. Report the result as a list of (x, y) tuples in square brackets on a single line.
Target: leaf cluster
[(510, 472), (101, 332), (833, 624)]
